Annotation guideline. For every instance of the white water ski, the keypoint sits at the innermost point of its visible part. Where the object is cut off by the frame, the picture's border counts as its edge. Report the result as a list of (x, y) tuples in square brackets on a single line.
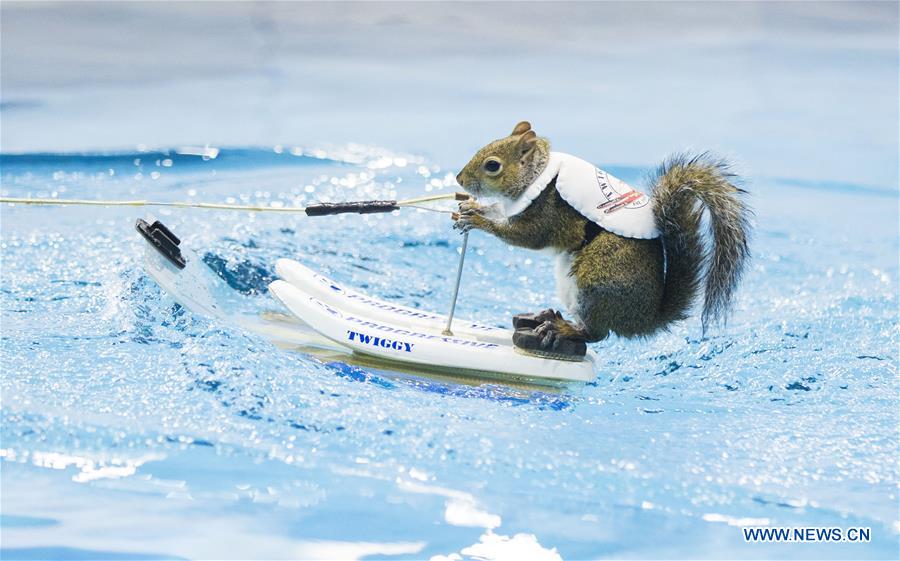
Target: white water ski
[(332, 322), (399, 334)]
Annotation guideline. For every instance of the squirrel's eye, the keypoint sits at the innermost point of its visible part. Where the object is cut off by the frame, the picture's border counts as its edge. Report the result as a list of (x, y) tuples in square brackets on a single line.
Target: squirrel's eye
[(492, 166)]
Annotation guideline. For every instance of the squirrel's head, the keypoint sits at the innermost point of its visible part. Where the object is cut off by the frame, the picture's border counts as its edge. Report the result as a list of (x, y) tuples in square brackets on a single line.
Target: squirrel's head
[(507, 166)]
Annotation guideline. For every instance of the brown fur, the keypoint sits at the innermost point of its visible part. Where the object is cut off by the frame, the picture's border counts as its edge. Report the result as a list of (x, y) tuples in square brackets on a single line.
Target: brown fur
[(631, 287)]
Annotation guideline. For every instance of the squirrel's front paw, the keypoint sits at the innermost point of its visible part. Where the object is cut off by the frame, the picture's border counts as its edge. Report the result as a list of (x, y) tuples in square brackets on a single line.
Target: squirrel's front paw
[(470, 216)]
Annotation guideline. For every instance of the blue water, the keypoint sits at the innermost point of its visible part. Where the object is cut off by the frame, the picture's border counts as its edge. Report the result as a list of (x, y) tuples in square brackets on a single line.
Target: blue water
[(134, 429)]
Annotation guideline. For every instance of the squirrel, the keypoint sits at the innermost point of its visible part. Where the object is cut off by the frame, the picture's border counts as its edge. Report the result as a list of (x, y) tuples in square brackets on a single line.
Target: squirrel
[(634, 277)]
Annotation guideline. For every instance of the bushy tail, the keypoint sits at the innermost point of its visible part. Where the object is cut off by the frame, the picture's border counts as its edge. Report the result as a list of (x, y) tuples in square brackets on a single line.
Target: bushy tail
[(679, 183)]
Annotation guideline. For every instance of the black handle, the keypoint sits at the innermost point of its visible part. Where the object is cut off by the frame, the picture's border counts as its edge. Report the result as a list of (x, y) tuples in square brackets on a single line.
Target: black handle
[(359, 207)]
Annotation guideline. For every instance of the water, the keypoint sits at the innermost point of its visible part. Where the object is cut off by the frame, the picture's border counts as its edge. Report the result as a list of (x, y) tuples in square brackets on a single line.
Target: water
[(135, 429)]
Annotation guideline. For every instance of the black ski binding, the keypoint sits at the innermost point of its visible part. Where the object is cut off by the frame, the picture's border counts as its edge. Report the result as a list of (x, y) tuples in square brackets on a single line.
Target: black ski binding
[(162, 239)]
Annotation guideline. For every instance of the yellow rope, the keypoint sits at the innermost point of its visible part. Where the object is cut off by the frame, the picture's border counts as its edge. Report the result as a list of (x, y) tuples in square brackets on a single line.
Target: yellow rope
[(210, 206)]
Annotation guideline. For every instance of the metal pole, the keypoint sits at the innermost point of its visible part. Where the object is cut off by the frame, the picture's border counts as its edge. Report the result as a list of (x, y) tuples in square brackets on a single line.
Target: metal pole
[(462, 258)]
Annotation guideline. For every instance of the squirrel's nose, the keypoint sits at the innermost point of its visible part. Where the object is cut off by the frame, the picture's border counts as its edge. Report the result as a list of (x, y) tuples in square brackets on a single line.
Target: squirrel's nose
[(459, 179)]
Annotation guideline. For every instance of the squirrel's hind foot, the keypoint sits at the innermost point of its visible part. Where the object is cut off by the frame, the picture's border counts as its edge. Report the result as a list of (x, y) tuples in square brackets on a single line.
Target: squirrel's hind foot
[(531, 321), (554, 338)]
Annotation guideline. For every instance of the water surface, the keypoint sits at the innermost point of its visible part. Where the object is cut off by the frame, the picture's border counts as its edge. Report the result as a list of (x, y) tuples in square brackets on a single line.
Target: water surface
[(135, 429)]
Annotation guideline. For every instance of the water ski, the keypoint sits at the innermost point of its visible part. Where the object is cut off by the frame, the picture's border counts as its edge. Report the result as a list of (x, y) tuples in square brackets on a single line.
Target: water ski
[(407, 335), (335, 323)]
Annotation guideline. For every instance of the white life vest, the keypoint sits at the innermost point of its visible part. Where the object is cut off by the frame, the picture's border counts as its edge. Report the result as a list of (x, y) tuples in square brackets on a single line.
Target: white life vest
[(600, 197)]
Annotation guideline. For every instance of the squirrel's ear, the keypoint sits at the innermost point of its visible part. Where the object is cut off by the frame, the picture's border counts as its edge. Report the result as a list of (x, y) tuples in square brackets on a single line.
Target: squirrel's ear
[(527, 142), (521, 128)]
